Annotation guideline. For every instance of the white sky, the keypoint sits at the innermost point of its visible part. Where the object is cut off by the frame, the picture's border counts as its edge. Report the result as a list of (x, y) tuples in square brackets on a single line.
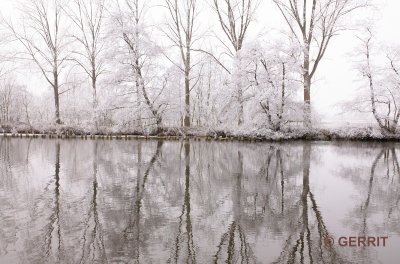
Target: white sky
[(335, 80)]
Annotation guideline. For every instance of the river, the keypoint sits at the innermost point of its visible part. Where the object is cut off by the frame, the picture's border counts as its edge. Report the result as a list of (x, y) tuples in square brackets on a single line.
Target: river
[(138, 201)]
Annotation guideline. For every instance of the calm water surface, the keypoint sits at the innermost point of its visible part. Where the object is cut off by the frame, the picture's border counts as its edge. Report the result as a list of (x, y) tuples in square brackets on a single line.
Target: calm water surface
[(76, 201)]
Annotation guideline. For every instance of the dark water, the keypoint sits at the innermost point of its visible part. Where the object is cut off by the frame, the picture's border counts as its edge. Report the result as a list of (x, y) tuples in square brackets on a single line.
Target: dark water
[(77, 201)]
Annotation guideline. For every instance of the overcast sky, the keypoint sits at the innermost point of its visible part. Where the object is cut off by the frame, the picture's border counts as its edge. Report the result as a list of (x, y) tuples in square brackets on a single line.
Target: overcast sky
[(336, 80)]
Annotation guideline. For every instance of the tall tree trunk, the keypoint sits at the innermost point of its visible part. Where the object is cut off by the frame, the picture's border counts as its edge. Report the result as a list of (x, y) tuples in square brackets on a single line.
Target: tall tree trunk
[(187, 83), (56, 98), (283, 87), (241, 108), (94, 87), (239, 89), (138, 82), (307, 87), (186, 121), (94, 94)]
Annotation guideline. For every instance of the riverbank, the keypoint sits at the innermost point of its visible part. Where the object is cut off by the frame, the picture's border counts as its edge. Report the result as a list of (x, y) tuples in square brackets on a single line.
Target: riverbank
[(174, 133)]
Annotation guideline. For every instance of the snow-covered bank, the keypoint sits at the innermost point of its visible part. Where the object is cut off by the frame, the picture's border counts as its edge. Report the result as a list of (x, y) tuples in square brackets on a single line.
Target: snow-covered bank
[(63, 131)]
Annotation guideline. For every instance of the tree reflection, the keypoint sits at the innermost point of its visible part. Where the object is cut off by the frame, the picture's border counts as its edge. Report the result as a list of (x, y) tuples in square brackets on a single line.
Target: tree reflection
[(379, 191), (306, 243), (93, 249), (53, 233), (380, 196), (6, 180), (272, 175), (5, 164), (236, 234), (185, 218), (187, 202), (133, 233)]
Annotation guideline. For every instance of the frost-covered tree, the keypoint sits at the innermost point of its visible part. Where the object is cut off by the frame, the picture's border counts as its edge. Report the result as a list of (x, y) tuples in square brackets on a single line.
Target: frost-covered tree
[(313, 23), (41, 34), (380, 94), (136, 56), (180, 30), (133, 72), (272, 71), (235, 17), (77, 107), (88, 16), (15, 101), (7, 99), (209, 93)]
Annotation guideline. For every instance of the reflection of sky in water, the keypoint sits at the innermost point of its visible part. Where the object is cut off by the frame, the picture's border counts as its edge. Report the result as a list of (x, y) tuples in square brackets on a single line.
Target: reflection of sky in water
[(155, 202)]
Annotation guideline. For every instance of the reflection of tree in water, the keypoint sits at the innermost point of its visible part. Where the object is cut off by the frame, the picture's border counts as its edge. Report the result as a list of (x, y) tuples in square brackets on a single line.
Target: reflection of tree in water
[(6, 179), (393, 178), (184, 238), (380, 196), (53, 232), (276, 175), (306, 242), (235, 240), (5, 163), (262, 198), (128, 187), (379, 191), (93, 249), (208, 202), (44, 211), (132, 234)]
